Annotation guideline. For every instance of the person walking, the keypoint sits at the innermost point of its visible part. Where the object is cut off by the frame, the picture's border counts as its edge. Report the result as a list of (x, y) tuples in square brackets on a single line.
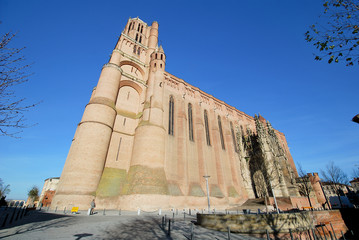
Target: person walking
[(93, 205)]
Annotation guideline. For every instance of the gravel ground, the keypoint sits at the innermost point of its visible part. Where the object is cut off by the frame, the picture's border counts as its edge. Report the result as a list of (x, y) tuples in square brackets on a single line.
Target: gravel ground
[(128, 225)]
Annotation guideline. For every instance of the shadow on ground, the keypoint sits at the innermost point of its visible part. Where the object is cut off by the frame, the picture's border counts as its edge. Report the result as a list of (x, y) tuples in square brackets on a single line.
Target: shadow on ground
[(146, 228), (35, 221)]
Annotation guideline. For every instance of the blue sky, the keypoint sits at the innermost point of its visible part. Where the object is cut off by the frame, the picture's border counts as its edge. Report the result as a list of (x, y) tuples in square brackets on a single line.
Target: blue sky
[(250, 54)]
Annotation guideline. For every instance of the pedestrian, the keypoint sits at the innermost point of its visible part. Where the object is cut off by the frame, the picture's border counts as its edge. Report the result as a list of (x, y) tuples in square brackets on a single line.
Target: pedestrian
[(93, 205)]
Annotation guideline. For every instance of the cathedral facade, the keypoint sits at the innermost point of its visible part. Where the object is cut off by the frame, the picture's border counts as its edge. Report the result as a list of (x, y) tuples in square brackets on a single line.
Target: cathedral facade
[(147, 139)]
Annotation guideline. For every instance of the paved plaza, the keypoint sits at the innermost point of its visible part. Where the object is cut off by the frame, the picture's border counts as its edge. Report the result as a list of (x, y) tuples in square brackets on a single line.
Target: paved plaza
[(112, 225)]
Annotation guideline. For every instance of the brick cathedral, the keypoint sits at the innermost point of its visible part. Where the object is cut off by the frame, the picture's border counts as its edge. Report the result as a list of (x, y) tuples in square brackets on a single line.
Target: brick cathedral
[(147, 138)]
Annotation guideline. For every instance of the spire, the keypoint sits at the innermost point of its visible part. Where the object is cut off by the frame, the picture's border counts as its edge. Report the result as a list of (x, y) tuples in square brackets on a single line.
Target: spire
[(161, 49)]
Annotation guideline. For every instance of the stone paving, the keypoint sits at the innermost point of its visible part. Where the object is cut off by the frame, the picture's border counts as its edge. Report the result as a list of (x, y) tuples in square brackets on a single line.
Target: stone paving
[(128, 225)]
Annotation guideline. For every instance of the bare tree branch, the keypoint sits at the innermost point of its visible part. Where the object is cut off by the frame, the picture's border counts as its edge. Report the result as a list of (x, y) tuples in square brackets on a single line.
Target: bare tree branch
[(303, 183), (337, 36), (13, 71), (335, 177)]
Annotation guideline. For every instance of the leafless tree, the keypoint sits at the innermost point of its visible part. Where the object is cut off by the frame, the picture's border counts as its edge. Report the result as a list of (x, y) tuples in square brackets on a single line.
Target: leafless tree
[(355, 171), (303, 183), (335, 177), (13, 71), (4, 189)]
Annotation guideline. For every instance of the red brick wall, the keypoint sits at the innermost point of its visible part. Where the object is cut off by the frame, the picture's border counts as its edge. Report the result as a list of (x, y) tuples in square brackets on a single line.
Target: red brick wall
[(326, 217), (46, 201)]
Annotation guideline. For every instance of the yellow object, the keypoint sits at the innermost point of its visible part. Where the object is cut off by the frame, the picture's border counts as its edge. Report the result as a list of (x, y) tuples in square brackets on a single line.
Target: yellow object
[(74, 209)]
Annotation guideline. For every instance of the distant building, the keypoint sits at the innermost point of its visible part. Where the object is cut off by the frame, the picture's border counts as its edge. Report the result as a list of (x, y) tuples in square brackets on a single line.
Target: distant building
[(355, 184), (48, 191), (333, 190)]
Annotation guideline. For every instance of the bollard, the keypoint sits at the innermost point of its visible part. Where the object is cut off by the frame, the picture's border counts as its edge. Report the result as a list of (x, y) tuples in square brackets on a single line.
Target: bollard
[(12, 216), (229, 233), (22, 212), (314, 236), (268, 238), (176, 211), (184, 216), (343, 235), (173, 215), (119, 212), (169, 228), (104, 212), (335, 236), (139, 212), (291, 235), (191, 238), (189, 211), (64, 210), (17, 215), (323, 232), (4, 222), (202, 211), (55, 208), (331, 236), (163, 223), (160, 212)]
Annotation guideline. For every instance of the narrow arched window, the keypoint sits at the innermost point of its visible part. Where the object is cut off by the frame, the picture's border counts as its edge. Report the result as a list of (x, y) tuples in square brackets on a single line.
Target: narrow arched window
[(234, 138), (138, 28), (138, 51), (156, 56), (155, 65), (208, 139), (133, 25), (136, 37), (171, 116), (221, 132), (190, 122), (134, 49), (141, 28), (129, 28), (140, 39), (161, 57)]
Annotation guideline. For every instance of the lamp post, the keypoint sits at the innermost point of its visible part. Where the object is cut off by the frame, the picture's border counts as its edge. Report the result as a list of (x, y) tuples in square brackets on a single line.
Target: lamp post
[(209, 205), (275, 200)]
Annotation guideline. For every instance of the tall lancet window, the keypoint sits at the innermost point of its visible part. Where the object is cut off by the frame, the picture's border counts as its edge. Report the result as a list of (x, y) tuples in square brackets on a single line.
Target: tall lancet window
[(190, 122), (208, 139), (171, 116), (221, 132), (234, 138)]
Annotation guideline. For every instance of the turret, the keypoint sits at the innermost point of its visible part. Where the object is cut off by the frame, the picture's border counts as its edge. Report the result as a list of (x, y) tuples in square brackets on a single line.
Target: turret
[(153, 38), (158, 60)]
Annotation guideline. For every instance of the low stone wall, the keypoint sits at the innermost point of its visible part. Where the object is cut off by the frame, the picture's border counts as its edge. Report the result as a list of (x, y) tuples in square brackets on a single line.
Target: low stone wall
[(275, 223), (257, 223)]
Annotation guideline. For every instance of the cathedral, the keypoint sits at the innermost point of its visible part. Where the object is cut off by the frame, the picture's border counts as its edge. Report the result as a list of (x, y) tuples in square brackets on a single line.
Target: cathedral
[(149, 140)]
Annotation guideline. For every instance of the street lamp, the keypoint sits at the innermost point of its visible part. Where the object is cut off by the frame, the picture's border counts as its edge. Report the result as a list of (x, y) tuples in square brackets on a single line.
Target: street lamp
[(209, 205)]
